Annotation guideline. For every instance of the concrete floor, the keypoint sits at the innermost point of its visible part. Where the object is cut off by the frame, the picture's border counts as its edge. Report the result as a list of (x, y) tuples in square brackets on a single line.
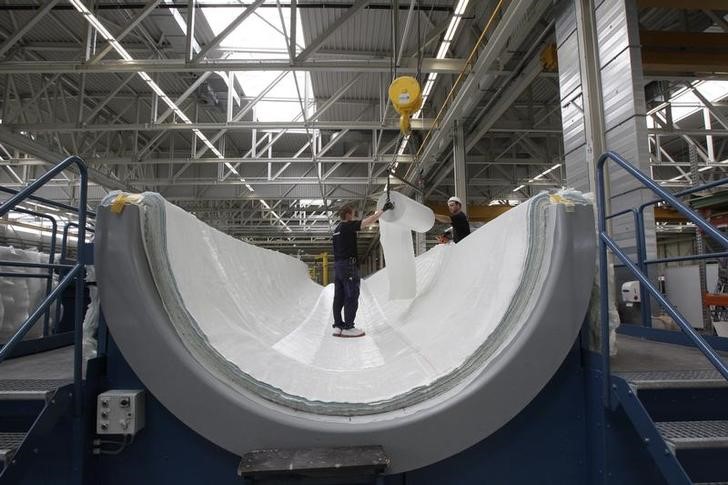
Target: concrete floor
[(636, 354), (54, 364)]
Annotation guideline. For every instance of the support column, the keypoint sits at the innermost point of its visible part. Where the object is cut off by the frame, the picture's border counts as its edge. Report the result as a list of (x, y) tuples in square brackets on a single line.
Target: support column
[(458, 157), (603, 104), (700, 241)]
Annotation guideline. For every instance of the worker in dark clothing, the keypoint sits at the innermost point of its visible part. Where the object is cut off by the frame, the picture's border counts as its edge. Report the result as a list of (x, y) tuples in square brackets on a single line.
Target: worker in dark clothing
[(346, 270), (458, 219)]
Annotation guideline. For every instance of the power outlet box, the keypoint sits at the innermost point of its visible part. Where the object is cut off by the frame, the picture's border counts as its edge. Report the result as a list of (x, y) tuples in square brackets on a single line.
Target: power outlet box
[(120, 411)]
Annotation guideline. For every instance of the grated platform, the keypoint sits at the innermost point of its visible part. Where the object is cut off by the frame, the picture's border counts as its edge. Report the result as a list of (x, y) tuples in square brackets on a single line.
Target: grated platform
[(674, 379), (9, 442), (29, 388), (694, 434)]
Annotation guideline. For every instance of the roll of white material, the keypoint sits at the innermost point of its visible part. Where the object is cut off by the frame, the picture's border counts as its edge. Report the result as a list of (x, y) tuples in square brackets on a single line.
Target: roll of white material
[(395, 227), (407, 213)]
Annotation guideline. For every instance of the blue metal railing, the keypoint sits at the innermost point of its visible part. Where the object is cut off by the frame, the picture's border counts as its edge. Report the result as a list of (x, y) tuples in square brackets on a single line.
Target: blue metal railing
[(75, 273), (64, 260), (639, 269)]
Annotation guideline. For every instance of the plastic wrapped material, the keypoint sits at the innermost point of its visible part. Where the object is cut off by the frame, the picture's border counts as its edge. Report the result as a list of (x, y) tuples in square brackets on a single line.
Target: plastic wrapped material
[(19, 296), (395, 227), (91, 320), (594, 304)]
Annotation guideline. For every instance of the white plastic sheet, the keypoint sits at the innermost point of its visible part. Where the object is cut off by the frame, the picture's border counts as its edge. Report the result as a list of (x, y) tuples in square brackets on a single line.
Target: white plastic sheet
[(261, 313), (395, 227)]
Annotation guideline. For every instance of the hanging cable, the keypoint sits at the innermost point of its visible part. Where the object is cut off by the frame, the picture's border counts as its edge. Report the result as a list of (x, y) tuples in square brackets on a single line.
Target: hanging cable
[(419, 44)]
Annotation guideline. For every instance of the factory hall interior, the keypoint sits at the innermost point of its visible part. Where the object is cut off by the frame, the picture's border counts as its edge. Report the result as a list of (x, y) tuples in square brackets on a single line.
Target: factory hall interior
[(391, 242)]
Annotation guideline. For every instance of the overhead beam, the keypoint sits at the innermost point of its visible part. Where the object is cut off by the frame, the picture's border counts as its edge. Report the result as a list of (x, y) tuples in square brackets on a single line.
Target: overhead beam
[(33, 148), (505, 101), (408, 66), (294, 26), (684, 51), (418, 124), (343, 18), (10, 42), (717, 19), (683, 4), (381, 159), (332, 181), (466, 98), (149, 8), (190, 43)]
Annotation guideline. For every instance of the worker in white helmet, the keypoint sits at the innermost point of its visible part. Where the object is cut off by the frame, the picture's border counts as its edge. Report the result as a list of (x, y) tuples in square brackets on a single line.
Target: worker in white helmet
[(458, 219)]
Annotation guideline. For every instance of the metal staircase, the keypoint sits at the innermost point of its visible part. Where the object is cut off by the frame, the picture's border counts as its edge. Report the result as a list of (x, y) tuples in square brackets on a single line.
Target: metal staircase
[(29, 411), (680, 416), (683, 421), (33, 410)]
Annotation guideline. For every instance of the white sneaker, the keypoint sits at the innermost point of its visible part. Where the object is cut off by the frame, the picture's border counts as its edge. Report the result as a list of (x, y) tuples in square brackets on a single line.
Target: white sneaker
[(337, 332), (352, 332)]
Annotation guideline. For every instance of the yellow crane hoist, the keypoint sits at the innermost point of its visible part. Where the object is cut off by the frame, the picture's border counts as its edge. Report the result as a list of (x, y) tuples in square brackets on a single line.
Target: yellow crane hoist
[(406, 97)]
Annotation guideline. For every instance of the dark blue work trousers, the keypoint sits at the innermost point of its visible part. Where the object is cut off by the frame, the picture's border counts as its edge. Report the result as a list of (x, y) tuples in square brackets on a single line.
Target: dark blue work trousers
[(346, 292)]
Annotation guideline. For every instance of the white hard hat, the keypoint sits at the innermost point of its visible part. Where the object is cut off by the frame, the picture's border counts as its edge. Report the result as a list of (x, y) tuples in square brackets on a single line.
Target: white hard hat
[(455, 199)]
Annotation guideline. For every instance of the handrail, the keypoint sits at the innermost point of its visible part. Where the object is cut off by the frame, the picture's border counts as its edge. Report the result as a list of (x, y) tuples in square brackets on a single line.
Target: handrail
[(605, 241), (64, 238), (77, 273), (44, 201), (28, 324), (682, 193)]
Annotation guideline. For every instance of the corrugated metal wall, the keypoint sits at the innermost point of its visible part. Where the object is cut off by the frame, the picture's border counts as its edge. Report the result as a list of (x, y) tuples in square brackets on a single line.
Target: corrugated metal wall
[(623, 101)]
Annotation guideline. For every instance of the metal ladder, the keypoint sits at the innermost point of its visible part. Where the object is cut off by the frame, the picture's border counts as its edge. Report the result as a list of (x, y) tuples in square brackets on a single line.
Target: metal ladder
[(688, 442)]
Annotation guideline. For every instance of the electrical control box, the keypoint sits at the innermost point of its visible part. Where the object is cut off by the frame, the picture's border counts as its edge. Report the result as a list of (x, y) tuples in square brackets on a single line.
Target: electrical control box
[(120, 412)]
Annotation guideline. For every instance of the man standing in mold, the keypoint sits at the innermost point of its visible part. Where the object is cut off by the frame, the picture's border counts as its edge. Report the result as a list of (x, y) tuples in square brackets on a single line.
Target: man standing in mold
[(346, 269), (458, 219)]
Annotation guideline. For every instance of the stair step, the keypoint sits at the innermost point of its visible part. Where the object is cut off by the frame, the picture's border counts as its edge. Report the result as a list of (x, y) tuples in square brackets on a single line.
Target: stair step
[(9, 442), (670, 379), (14, 389), (694, 434)]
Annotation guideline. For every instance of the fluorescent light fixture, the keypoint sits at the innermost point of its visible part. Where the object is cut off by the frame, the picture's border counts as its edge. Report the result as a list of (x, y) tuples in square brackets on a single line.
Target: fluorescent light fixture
[(442, 51), (545, 172), (519, 188)]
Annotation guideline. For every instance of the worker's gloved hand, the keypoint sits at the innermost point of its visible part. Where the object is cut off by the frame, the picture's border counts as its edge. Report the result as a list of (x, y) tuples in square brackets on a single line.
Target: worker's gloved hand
[(387, 206)]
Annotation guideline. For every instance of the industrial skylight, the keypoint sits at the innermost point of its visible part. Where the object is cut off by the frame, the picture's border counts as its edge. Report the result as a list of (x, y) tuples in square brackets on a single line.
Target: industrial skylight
[(124, 54), (687, 102), (261, 36)]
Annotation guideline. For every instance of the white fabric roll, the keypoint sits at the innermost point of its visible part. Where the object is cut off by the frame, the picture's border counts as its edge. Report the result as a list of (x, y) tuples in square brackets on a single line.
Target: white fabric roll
[(395, 228), (407, 213)]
